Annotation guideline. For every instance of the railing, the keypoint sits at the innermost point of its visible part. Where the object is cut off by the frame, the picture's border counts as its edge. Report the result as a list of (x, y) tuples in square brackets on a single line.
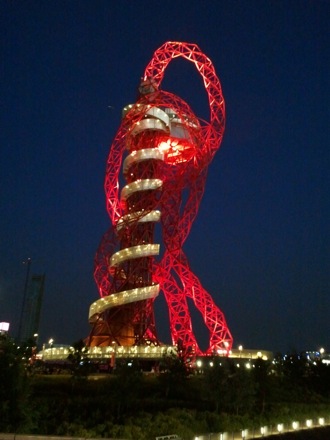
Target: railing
[(145, 351), (168, 437)]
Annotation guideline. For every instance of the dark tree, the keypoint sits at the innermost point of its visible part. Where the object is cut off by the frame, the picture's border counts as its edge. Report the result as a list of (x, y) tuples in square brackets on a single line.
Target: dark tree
[(173, 375), (216, 381), (80, 364), (14, 386), (125, 387), (263, 384)]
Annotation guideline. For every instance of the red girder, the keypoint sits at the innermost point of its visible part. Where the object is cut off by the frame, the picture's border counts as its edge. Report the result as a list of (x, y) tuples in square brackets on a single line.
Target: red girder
[(182, 169), (191, 52)]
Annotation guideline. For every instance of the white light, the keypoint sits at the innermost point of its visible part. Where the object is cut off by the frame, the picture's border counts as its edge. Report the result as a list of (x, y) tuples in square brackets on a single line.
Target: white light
[(280, 427), (4, 326), (321, 421), (295, 425), (145, 250), (138, 216), (309, 423), (140, 185), (137, 156), (125, 297), (263, 430)]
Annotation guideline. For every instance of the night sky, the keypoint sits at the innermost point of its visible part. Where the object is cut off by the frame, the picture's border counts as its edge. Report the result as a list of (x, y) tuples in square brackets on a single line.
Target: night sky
[(260, 244)]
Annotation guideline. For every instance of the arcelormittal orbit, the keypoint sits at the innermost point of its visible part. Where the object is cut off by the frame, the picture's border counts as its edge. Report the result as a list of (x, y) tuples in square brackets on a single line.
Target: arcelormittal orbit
[(155, 174)]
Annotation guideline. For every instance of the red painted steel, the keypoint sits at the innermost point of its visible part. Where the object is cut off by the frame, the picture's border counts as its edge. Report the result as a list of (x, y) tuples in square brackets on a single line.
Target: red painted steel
[(182, 172)]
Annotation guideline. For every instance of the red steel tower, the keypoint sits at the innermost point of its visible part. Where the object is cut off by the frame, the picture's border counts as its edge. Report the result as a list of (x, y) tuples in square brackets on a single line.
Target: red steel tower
[(155, 174)]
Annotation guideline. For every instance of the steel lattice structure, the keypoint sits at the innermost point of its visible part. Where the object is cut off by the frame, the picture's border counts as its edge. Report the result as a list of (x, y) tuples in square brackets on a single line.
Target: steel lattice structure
[(162, 150)]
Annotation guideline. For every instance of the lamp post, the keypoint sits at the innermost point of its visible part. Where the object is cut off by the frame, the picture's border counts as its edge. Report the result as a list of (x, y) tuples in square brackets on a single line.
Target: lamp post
[(240, 348), (28, 266), (113, 355)]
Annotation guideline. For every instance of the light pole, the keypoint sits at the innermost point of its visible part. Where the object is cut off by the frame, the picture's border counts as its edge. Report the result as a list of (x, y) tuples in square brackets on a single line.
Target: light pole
[(240, 348), (28, 266)]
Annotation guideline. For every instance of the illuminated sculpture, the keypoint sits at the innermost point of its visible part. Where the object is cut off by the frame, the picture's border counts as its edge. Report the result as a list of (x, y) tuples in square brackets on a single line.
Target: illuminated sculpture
[(163, 151)]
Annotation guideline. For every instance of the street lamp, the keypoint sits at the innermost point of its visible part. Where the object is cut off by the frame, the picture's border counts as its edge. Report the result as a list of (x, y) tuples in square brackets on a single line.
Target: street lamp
[(20, 328), (240, 349)]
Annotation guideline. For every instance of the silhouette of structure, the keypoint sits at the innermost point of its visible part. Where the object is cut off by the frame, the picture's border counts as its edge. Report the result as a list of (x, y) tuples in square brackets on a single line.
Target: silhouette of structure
[(162, 151), (29, 327)]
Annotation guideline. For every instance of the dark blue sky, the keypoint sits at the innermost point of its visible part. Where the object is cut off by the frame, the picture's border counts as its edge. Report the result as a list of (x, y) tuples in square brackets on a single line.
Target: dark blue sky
[(260, 244)]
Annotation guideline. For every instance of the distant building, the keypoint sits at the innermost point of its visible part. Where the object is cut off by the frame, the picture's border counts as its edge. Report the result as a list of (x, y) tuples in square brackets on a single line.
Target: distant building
[(4, 328), (31, 308)]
